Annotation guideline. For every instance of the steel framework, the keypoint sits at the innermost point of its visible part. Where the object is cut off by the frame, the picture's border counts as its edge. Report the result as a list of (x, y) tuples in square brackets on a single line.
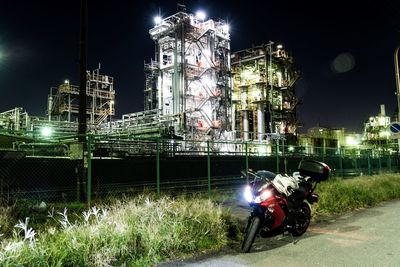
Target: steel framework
[(63, 100), (264, 99), (189, 80)]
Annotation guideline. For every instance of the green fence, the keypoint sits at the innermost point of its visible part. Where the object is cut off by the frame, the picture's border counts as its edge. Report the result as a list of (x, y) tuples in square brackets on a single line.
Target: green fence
[(68, 170)]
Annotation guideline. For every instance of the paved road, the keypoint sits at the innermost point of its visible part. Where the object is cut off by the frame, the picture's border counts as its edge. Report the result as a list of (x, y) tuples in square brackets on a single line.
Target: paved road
[(369, 237)]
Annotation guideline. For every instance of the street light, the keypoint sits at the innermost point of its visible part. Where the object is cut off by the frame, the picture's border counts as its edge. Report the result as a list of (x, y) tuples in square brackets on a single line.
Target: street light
[(397, 75), (396, 67)]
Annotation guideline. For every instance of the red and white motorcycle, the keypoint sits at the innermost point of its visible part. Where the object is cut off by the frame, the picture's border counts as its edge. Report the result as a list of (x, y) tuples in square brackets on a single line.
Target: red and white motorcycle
[(280, 202)]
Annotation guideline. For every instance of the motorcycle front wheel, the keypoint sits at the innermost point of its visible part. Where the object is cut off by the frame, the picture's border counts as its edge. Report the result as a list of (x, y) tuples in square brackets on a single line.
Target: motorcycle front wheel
[(251, 234)]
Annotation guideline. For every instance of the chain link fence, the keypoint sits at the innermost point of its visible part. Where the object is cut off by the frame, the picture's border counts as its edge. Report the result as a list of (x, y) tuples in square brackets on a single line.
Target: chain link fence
[(62, 171)]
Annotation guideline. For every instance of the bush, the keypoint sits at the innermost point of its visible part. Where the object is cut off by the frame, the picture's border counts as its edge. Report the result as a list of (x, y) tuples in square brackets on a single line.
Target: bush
[(137, 232), (337, 196)]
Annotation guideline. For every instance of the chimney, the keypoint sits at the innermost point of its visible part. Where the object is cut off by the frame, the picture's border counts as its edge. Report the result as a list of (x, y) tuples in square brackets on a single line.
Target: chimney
[(382, 110)]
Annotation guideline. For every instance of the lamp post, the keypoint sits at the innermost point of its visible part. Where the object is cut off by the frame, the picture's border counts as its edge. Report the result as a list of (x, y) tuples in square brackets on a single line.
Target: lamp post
[(397, 75)]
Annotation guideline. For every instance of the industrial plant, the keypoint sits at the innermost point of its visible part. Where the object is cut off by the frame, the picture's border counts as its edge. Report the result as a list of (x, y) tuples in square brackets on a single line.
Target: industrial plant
[(195, 89)]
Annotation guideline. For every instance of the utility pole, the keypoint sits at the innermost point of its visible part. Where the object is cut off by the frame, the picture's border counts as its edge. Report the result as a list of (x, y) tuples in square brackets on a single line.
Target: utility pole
[(82, 72), (82, 100)]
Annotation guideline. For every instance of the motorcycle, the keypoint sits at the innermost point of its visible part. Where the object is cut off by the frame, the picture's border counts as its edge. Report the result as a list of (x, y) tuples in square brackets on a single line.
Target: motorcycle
[(281, 203)]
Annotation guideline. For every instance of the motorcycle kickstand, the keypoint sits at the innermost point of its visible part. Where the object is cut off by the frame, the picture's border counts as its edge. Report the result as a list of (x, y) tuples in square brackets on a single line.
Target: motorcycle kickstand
[(294, 241)]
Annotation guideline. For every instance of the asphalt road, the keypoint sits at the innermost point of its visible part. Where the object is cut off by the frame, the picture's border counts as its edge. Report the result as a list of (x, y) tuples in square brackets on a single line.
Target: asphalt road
[(370, 237)]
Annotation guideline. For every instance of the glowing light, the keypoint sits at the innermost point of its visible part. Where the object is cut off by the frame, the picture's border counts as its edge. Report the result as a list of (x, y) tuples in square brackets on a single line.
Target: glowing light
[(248, 195), (66, 81), (279, 46), (262, 150), (201, 15), (351, 141), (157, 20), (265, 195), (291, 148), (384, 134), (226, 28), (46, 131)]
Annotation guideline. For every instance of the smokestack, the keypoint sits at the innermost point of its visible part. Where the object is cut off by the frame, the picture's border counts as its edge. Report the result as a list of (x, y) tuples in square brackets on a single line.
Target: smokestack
[(383, 113)]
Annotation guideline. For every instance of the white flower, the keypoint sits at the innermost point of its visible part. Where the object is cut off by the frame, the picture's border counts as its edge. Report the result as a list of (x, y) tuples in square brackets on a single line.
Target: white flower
[(64, 219), (28, 232), (86, 215), (51, 230), (96, 212), (14, 246)]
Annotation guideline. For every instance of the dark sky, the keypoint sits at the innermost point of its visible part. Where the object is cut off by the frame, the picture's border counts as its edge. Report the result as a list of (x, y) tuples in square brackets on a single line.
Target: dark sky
[(39, 43)]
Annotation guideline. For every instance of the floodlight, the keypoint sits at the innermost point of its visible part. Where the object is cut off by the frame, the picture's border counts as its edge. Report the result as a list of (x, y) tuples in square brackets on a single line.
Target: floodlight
[(157, 20), (279, 46), (201, 15), (46, 131), (226, 28)]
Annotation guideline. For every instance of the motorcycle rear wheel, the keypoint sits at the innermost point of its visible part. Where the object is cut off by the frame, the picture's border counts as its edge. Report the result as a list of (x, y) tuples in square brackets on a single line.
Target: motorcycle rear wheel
[(302, 221), (251, 234)]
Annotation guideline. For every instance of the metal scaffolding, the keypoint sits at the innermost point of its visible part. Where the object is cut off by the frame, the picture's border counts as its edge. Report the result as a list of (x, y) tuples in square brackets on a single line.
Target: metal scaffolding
[(63, 100), (264, 100), (189, 80), (15, 120)]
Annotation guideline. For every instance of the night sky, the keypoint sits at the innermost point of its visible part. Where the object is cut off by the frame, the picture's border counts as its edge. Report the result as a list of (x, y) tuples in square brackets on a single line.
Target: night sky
[(344, 51)]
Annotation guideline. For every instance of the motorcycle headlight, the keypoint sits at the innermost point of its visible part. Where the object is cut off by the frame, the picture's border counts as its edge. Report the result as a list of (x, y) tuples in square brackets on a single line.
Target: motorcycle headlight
[(264, 195), (248, 195)]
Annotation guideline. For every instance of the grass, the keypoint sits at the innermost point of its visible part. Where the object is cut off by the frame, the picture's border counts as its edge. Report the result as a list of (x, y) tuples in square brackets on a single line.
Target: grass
[(339, 196), (136, 232), (144, 231)]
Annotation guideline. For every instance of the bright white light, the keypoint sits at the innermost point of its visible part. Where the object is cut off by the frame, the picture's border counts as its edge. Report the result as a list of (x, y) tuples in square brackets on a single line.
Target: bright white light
[(291, 148), (46, 131), (384, 134), (248, 196), (351, 141), (157, 20), (226, 28), (262, 150), (201, 15), (279, 46), (66, 81), (265, 195)]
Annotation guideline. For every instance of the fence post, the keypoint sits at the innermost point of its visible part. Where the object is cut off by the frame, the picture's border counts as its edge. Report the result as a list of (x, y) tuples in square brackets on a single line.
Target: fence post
[(341, 162), (277, 155), (89, 169), (158, 166), (389, 163), (208, 168), (380, 163), (247, 156), (355, 163), (369, 163)]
